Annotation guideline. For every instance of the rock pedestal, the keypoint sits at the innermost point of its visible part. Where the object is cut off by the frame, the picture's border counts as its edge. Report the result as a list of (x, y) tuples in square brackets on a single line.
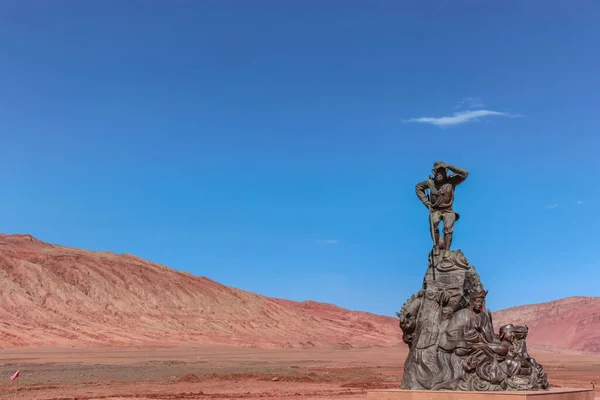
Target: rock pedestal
[(451, 337), (553, 394)]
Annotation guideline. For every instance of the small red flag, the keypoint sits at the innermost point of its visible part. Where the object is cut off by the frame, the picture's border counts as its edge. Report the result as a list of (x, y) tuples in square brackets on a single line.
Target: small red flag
[(15, 376)]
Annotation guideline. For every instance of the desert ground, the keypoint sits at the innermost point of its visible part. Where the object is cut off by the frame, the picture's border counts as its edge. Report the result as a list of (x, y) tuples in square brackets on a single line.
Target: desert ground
[(227, 372)]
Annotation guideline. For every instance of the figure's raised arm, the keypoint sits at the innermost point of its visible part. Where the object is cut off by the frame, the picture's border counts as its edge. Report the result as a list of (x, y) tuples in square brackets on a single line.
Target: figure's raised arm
[(458, 174), (420, 189)]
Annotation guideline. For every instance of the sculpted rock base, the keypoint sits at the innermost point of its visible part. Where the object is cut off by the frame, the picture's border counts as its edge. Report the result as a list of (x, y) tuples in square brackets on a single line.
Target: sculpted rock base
[(451, 337), (552, 394)]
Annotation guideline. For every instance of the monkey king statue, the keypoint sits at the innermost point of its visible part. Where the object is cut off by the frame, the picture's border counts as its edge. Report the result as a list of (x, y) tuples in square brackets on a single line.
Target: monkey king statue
[(450, 334)]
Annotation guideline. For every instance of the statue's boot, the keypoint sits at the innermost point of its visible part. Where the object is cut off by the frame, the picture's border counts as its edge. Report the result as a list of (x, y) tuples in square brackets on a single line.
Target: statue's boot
[(448, 243)]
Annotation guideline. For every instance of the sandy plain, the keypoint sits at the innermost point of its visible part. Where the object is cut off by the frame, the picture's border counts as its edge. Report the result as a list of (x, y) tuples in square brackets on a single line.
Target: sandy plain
[(226, 372)]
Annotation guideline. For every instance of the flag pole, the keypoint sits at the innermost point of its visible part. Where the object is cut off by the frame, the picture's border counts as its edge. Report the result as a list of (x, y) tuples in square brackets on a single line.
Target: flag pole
[(15, 377)]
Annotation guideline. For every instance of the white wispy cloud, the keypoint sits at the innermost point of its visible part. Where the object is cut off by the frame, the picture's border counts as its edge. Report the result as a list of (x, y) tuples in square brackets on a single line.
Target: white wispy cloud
[(459, 117), (328, 241), (570, 204), (470, 102)]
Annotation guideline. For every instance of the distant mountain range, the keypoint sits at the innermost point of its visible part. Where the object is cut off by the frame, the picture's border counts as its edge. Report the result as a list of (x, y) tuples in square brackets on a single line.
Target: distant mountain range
[(55, 295)]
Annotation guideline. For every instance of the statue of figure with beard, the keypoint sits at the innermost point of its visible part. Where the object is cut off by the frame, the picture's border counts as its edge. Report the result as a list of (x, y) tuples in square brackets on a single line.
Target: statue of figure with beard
[(471, 351)]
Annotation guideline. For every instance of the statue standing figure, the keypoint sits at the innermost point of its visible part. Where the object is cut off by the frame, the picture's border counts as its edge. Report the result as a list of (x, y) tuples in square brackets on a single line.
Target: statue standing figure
[(439, 201)]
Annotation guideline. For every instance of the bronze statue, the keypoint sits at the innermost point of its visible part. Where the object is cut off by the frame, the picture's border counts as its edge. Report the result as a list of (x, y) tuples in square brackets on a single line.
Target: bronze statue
[(440, 200), (470, 337), (524, 371), (450, 334)]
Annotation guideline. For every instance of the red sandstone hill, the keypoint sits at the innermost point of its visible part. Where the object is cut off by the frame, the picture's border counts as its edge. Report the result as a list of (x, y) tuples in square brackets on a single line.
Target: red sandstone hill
[(572, 323), (55, 295)]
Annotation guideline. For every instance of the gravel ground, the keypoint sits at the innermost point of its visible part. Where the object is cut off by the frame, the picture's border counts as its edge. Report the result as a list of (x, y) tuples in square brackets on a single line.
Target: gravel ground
[(226, 373)]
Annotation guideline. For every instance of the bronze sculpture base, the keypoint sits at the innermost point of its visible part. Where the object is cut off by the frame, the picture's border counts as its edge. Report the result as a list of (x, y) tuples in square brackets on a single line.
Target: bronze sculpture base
[(451, 337), (552, 394)]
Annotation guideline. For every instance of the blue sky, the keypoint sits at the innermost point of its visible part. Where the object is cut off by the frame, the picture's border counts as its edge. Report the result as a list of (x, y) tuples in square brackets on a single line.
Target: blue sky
[(274, 146)]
